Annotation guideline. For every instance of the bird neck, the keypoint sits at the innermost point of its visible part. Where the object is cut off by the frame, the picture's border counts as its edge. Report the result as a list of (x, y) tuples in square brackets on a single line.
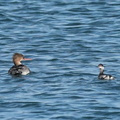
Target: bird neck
[(101, 71), (17, 62)]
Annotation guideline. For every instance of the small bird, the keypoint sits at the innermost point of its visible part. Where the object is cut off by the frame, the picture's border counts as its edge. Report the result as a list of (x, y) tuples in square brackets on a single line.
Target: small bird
[(102, 75), (18, 68)]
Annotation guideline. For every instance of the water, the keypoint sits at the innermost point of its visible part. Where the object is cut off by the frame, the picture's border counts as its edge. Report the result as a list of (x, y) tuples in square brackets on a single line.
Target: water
[(66, 39)]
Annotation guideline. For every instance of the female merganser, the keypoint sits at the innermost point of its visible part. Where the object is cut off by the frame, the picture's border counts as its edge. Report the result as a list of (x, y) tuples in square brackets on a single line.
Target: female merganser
[(102, 75), (19, 68)]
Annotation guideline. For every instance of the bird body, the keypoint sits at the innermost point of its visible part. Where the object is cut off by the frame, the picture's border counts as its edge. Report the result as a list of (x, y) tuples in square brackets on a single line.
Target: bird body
[(102, 75), (18, 68)]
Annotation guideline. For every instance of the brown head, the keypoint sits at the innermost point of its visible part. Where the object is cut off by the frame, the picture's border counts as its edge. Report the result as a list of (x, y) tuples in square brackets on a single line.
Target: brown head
[(17, 58)]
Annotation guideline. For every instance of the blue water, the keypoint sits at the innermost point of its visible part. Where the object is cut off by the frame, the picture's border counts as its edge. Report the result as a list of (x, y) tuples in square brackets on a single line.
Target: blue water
[(66, 39)]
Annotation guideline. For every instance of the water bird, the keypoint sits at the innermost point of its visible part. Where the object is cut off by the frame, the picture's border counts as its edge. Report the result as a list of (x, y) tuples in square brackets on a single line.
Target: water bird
[(18, 68), (102, 75)]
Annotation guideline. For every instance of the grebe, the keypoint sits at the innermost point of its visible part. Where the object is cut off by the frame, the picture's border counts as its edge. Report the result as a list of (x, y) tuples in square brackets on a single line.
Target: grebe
[(102, 75), (19, 68)]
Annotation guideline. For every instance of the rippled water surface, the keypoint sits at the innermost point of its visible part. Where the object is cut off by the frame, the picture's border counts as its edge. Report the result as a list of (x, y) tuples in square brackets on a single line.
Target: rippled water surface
[(66, 39)]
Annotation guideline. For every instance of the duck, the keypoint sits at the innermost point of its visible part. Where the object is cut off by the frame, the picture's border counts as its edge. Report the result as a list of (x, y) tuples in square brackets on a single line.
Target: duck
[(102, 75), (18, 68)]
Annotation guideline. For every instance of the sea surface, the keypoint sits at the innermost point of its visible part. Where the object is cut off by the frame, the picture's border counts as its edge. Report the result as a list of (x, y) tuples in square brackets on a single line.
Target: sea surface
[(66, 40)]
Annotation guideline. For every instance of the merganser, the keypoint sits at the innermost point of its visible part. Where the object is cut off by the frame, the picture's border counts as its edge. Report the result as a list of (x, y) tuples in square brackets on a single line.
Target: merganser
[(18, 68), (102, 75)]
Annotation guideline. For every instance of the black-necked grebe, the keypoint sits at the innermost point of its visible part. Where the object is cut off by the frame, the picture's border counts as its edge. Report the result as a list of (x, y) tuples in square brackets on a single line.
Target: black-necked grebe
[(19, 68), (102, 75)]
